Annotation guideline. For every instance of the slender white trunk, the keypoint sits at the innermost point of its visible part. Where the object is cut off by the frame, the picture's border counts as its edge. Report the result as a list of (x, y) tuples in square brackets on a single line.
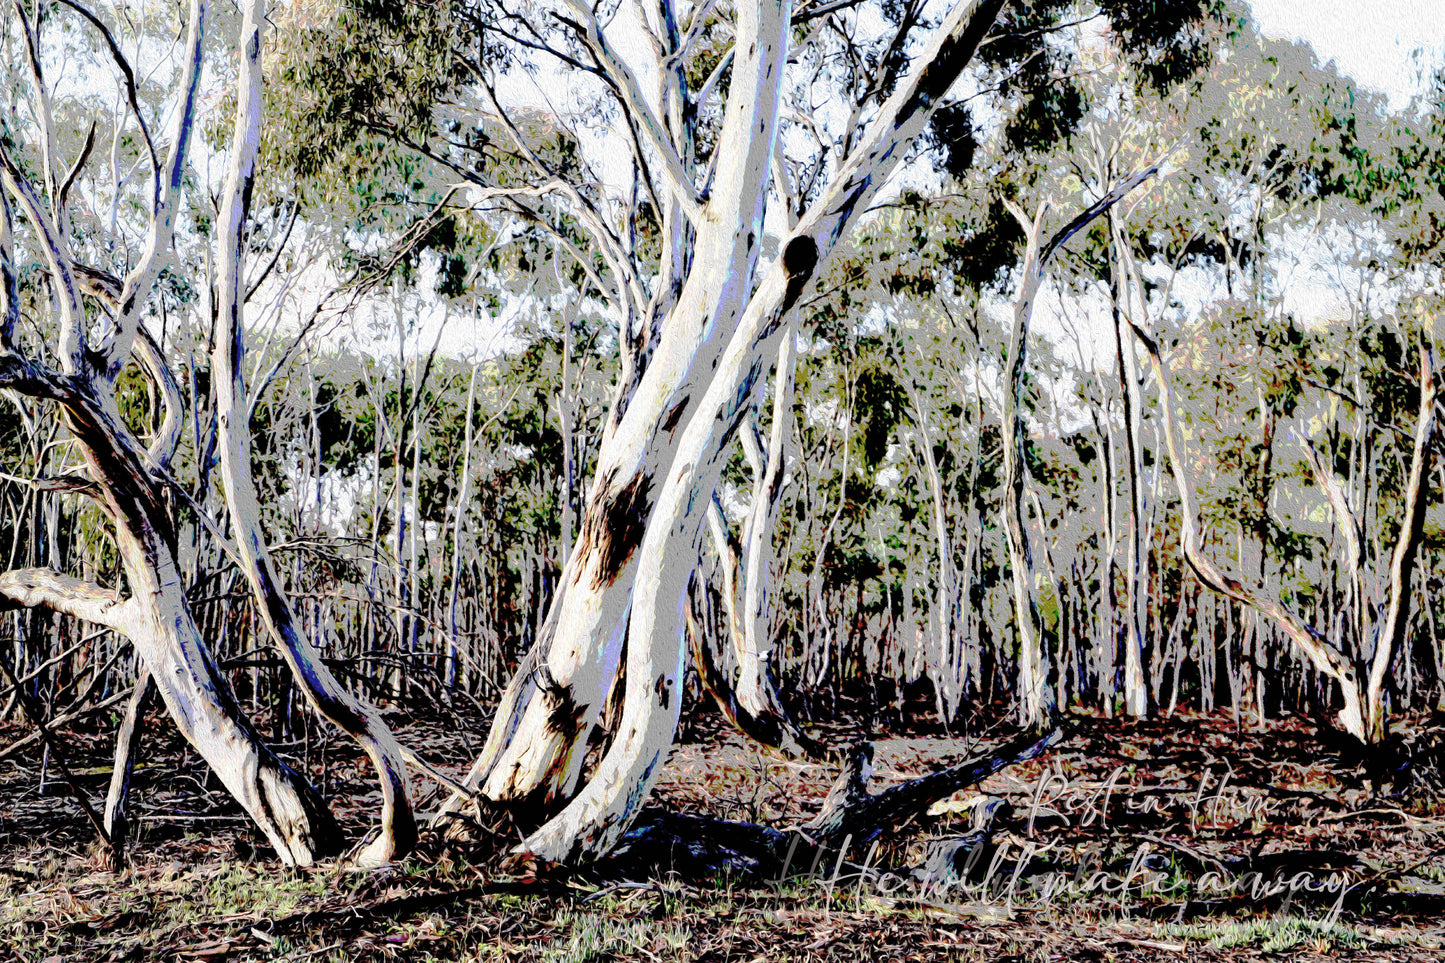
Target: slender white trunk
[(751, 700), (325, 693), (453, 630), (1136, 693), (1037, 700), (127, 743), (756, 691), (947, 683)]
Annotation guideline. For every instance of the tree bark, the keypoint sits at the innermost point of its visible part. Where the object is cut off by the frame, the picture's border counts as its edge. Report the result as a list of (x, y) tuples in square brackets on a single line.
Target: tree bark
[(851, 819), (127, 745), (326, 694), (662, 451), (156, 616)]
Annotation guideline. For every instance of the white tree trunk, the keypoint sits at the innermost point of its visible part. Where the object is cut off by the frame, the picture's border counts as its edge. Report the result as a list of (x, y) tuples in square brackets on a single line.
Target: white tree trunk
[(627, 579), (1037, 702), (155, 617), (750, 699), (1136, 692), (1037, 699), (326, 694)]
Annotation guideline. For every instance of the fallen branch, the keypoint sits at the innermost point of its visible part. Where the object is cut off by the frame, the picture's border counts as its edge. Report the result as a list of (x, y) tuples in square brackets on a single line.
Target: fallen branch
[(699, 846)]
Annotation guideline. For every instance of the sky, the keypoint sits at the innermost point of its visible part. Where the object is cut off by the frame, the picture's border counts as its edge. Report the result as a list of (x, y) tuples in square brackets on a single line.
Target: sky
[(1370, 40)]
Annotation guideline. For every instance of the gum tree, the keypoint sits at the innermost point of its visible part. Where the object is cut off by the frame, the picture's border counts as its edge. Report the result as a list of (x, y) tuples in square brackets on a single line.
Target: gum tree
[(96, 325), (698, 338), (755, 137), (1372, 464), (716, 108)]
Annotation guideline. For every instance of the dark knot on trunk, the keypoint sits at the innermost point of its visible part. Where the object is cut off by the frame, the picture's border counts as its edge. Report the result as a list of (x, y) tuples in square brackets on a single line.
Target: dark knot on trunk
[(800, 257)]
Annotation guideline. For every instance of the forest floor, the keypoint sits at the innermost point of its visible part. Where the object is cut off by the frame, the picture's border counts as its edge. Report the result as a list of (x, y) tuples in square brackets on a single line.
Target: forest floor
[(1128, 842)]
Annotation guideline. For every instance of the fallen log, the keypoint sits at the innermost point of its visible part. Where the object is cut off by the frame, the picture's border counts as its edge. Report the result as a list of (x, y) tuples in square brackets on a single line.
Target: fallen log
[(694, 846)]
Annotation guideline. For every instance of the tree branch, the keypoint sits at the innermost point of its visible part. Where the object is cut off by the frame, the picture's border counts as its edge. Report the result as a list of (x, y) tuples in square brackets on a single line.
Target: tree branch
[(141, 278), (1391, 632), (32, 587), (43, 113), (899, 121), (1348, 522), (629, 286), (624, 82), (130, 90), (72, 317)]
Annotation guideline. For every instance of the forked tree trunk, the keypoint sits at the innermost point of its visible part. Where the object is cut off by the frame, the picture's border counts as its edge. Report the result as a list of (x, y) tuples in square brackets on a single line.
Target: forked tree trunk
[(1037, 705), (628, 577), (1362, 686), (156, 616)]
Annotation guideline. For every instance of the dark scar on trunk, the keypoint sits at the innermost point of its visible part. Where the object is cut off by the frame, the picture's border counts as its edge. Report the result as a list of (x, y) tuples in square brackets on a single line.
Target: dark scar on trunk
[(675, 414), (617, 528), (564, 715), (663, 688)]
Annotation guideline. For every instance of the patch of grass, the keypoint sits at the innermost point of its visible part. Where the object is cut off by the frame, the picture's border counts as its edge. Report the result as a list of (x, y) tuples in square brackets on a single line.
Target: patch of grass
[(594, 937), (246, 889), (1273, 935)]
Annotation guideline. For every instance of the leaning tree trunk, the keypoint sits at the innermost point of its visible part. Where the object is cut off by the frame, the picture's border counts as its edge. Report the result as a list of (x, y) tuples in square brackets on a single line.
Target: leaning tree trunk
[(1362, 687), (658, 463), (156, 617), (325, 693), (158, 621), (127, 744)]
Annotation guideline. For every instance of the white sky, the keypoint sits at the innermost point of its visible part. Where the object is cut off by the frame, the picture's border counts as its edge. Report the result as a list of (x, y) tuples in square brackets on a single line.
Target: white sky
[(1370, 40)]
